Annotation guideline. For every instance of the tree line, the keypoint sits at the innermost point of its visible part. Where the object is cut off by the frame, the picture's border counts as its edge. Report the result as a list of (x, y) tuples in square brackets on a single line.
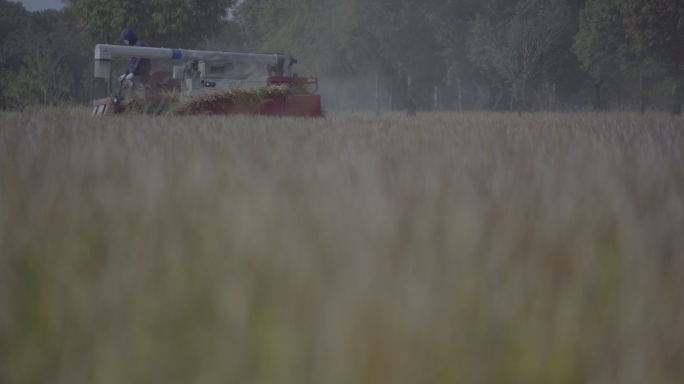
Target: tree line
[(521, 55)]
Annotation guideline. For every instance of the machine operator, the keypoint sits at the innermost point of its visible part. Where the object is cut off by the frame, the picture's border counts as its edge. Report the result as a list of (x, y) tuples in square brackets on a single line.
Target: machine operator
[(138, 71)]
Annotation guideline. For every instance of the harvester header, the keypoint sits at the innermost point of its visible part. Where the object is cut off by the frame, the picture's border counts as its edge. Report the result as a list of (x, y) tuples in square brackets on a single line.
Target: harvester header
[(214, 72)]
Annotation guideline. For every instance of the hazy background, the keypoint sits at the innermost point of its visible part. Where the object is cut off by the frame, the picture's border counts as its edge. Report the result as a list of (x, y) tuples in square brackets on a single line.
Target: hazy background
[(376, 55)]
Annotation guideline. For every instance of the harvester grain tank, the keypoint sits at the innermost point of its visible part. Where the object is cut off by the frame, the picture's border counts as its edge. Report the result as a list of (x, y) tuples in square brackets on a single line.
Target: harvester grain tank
[(205, 72)]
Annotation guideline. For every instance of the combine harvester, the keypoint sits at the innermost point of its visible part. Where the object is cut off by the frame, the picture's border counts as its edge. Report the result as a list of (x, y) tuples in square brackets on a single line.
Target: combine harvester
[(206, 74)]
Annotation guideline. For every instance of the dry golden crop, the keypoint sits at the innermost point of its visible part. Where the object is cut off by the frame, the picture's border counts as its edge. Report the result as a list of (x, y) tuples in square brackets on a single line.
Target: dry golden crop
[(150, 103), (447, 248), (219, 98), (156, 103)]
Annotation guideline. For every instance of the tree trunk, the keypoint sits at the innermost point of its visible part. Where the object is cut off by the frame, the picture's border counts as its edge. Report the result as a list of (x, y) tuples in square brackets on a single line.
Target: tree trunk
[(391, 95), (523, 98), (599, 102), (642, 102), (619, 97), (497, 100), (377, 86), (410, 101), (458, 82), (516, 97), (435, 102), (677, 107)]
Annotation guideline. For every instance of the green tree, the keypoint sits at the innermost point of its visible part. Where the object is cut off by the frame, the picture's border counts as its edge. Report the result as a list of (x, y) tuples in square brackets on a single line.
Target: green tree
[(367, 38), (401, 33), (41, 80), (6, 78), (656, 28), (313, 31), (514, 46), (37, 57), (451, 26), (54, 36), (13, 21), (600, 41), (158, 22)]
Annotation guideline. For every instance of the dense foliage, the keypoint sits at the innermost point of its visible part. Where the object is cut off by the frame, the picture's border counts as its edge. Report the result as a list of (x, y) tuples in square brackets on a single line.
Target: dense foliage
[(403, 54)]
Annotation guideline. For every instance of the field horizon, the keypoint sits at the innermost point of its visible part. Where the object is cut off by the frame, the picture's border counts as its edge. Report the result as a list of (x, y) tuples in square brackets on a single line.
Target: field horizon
[(470, 247)]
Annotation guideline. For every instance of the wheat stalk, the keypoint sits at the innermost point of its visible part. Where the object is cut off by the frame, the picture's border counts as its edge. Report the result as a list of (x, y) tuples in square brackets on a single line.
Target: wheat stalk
[(221, 98)]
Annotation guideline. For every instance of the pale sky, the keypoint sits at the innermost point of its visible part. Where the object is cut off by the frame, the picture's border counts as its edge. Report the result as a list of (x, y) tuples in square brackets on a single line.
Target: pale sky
[(39, 5)]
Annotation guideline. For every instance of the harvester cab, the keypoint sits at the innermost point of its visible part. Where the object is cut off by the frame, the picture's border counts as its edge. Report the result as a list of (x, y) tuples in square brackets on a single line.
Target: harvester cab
[(205, 73)]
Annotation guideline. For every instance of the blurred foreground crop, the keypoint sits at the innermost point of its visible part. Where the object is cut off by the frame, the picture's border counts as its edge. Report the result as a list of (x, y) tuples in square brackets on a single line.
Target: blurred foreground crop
[(449, 248)]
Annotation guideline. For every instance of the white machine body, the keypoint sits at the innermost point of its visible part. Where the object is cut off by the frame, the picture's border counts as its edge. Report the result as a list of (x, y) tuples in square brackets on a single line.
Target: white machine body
[(203, 71)]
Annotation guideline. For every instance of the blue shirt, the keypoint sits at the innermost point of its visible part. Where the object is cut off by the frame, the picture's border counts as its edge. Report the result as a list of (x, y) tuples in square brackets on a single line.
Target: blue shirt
[(136, 65)]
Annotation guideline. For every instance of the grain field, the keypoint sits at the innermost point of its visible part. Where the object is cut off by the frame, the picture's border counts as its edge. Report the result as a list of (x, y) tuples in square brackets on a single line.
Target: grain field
[(446, 248)]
